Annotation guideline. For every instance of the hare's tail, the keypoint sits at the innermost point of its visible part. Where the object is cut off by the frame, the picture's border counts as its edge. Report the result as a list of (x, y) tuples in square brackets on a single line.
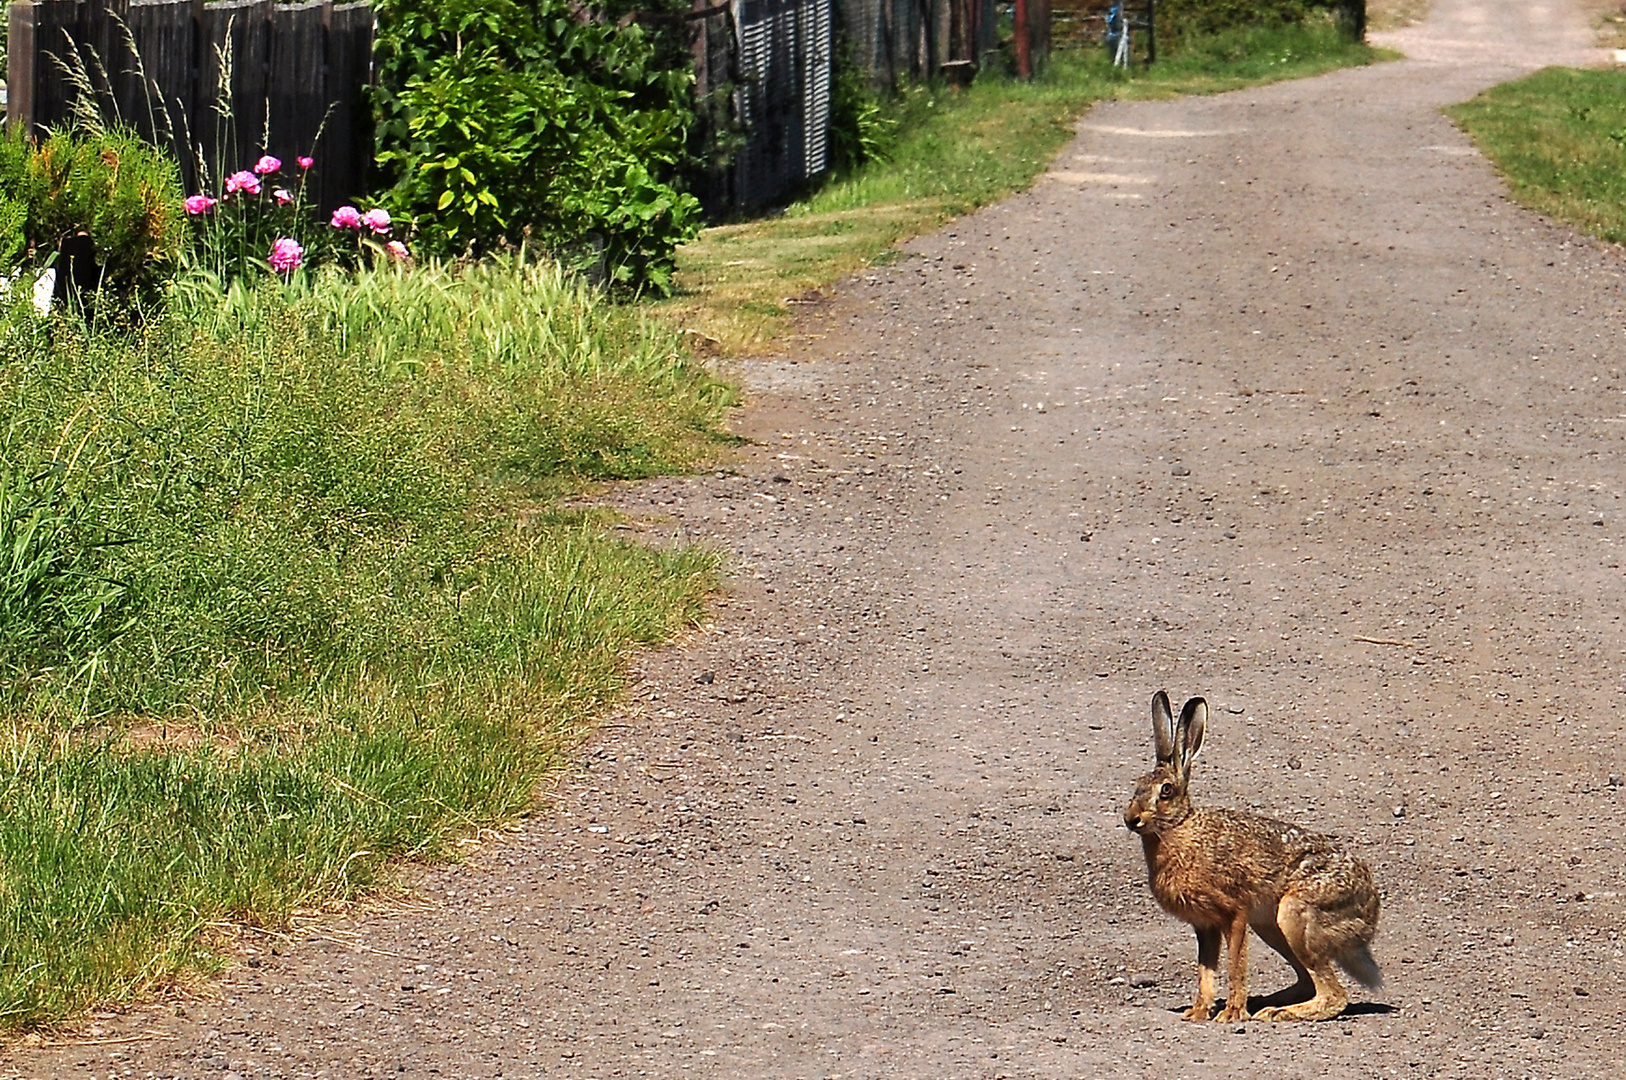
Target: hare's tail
[(1360, 966)]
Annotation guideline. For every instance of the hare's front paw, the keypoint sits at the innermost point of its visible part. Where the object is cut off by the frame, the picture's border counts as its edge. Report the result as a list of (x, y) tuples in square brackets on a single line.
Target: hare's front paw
[(1198, 1011), (1232, 1014)]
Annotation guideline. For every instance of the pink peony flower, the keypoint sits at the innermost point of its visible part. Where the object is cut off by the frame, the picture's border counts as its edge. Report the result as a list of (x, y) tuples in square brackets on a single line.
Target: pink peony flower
[(199, 204), (267, 164), (305, 162), (243, 181), (346, 217), (398, 250), (378, 220), (286, 255), (283, 196)]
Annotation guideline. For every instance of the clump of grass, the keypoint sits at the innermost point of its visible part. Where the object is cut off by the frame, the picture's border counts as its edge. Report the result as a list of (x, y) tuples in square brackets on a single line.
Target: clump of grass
[(1559, 137), (292, 599), (954, 151)]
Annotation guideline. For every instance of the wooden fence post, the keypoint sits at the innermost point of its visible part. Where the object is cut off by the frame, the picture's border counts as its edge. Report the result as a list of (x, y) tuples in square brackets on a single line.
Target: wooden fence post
[(1353, 16), (22, 55), (1024, 43)]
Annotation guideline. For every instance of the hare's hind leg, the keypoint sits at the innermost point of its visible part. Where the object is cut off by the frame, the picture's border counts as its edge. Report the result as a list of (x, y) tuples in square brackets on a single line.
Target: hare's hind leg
[(1295, 918), (1304, 988)]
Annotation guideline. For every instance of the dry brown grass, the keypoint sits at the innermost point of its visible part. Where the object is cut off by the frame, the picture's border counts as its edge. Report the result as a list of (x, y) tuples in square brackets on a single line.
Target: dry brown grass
[(1395, 14), (739, 282)]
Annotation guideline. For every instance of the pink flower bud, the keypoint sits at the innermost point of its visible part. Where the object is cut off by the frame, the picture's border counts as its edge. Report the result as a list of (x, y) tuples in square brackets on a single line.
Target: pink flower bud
[(286, 255), (199, 204), (346, 217), (267, 164), (398, 250), (305, 162)]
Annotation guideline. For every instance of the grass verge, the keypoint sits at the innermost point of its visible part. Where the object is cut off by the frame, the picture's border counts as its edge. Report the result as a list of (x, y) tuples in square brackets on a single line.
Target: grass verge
[(1559, 137), (283, 596), (956, 151)]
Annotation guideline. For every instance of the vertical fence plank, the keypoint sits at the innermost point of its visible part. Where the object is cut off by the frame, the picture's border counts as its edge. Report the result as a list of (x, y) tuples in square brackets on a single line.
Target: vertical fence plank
[(296, 80), (164, 104), (251, 83), (346, 149), (223, 127), (22, 63), (54, 24)]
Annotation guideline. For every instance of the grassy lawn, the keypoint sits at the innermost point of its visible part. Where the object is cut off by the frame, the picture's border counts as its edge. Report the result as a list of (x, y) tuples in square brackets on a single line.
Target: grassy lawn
[(283, 596), (956, 151), (1559, 137)]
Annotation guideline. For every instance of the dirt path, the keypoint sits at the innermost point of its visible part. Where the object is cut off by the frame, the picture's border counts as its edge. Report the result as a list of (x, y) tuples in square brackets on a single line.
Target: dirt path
[(1245, 384)]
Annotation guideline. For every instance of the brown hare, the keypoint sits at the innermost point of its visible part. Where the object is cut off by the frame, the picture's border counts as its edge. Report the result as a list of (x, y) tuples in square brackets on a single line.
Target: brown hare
[(1224, 870)]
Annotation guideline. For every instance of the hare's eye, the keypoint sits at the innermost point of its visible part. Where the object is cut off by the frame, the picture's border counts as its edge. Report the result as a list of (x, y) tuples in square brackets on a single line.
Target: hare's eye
[(1166, 792)]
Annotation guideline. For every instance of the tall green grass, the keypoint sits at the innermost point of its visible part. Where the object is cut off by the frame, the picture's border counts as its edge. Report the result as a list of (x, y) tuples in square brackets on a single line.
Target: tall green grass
[(286, 596), (1559, 137), (955, 151)]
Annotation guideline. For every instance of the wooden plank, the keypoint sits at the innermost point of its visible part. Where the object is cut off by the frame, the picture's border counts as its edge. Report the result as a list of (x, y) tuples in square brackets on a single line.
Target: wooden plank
[(251, 83), (22, 63), (344, 155), (165, 104), (55, 26), (224, 33), (296, 81)]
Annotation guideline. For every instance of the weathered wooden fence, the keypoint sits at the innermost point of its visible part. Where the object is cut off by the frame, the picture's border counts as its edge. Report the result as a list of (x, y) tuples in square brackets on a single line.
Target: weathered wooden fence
[(294, 79), (901, 41)]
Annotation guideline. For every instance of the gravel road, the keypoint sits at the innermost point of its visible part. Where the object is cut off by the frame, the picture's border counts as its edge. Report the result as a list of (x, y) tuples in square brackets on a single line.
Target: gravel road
[(1271, 397)]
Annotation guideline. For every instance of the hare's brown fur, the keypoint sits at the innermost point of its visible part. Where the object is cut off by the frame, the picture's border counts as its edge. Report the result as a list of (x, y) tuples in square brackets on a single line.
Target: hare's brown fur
[(1224, 870)]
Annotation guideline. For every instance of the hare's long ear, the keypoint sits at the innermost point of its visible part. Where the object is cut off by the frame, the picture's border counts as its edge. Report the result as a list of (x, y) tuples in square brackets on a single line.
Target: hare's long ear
[(1189, 734), (1163, 729)]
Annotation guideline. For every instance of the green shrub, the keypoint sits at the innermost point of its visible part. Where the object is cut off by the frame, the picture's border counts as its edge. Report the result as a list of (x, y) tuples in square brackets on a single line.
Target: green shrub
[(1181, 20), (120, 190), (860, 128), (501, 123), (15, 187)]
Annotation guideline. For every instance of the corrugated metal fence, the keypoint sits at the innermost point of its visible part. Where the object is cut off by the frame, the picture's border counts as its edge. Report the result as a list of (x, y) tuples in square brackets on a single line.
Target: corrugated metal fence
[(785, 51), (777, 56), (297, 75)]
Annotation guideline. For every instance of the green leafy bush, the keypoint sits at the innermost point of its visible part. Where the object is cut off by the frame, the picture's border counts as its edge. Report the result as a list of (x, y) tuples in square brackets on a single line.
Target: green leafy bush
[(501, 122), (860, 129), (15, 185), (113, 186), (1178, 20)]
